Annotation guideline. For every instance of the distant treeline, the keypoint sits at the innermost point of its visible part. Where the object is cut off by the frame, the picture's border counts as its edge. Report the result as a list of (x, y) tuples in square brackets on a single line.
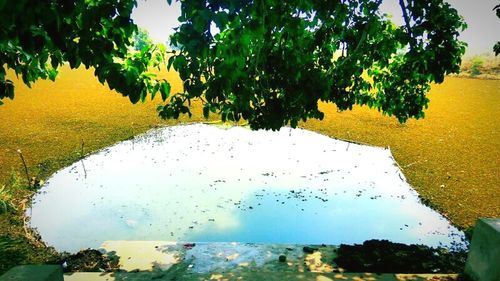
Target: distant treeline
[(485, 66)]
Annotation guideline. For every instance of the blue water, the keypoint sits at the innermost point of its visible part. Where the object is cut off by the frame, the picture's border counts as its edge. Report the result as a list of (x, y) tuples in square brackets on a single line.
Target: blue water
[(205, 183)]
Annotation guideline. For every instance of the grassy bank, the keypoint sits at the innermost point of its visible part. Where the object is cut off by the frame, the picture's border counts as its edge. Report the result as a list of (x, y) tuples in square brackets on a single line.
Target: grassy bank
[(451, 157), (49, 124)]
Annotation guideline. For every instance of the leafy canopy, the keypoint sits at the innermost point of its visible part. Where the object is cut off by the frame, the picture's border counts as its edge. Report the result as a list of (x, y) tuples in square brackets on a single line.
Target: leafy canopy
[(271, 62), (37, 37)]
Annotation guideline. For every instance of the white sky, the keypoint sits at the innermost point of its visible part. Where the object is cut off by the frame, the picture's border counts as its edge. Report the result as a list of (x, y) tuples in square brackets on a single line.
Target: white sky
[(159, 19)]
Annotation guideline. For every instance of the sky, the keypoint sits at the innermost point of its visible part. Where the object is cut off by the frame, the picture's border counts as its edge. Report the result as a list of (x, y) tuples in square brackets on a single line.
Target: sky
[(160, 19)]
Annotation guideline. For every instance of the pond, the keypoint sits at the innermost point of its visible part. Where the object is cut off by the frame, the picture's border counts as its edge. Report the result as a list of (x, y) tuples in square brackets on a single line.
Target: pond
[(205, 183)]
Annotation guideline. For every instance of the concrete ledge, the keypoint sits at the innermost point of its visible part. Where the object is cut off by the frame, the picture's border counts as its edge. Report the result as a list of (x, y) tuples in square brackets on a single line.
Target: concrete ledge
[(257, 276), (34, 273), (484, 254), (91, 276)]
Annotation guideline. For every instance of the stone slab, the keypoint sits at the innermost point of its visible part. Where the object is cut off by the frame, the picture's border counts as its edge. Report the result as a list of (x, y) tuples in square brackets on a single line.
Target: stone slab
[(142, 255), (89, 276), (34, 273), (256, 276), (484, 254)]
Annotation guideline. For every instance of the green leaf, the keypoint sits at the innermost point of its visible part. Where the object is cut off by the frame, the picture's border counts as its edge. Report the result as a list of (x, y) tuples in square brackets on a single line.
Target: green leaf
[(134, 98), (154, 90), (206, 110), (170, 61), (180, 63), (52, 74), (9, 89), (165, 90), (3, 207)]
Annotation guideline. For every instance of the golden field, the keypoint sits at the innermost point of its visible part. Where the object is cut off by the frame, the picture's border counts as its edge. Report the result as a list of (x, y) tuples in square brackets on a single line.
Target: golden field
[(452, 157)]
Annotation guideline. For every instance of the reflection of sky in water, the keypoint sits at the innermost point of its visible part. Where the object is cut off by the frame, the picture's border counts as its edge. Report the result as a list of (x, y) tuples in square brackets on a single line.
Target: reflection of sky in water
[(204, 183)]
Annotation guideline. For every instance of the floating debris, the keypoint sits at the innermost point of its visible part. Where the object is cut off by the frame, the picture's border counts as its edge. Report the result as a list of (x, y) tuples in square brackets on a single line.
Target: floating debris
[(303, 188)]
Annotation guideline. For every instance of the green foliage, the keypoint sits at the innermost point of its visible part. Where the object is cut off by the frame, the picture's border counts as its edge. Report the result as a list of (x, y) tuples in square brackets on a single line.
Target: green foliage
[(7, 192), (15, 247), (271, 63), (477, 63), (16, 182), (142, 40), (17, 250), (5, 199), (39, 36), (3, 207), (11, 252)]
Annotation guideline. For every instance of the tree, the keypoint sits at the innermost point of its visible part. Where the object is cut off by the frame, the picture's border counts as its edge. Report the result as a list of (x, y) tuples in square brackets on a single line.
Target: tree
[(496, 48), (271, 63), (476, 64), (142, 39), (36, 37)]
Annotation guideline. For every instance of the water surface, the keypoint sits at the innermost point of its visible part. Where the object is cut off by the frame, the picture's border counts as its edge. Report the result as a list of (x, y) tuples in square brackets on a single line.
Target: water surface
[(206, 183)]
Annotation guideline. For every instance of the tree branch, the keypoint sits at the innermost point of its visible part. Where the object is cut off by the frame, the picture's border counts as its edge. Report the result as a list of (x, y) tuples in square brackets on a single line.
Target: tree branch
[(407, 22), (364, 35)]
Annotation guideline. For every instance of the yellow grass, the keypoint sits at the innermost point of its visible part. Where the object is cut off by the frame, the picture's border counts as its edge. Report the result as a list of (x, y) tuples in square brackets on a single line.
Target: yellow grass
[(451, 157), (49, 121)]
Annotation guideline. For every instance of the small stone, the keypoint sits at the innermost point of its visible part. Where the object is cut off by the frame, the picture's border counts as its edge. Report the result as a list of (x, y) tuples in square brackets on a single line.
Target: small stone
[(282, 258)]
